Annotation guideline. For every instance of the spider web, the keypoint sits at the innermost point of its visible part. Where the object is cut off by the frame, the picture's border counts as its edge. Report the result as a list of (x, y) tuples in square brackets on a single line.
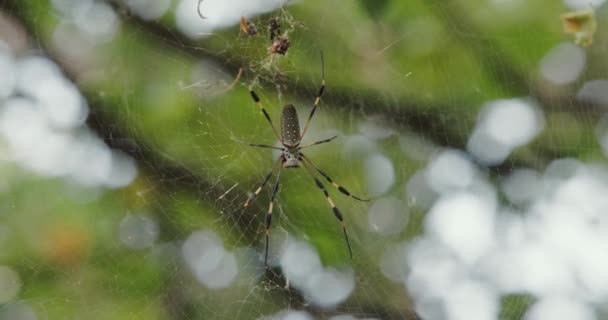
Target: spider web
[(475, 128)]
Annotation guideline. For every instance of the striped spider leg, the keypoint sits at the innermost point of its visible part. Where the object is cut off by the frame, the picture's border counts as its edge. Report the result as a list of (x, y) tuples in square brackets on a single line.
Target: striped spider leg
[(292, 157)]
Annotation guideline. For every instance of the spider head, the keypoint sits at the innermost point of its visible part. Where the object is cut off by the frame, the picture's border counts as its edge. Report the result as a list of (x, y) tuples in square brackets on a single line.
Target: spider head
[(290, 158)]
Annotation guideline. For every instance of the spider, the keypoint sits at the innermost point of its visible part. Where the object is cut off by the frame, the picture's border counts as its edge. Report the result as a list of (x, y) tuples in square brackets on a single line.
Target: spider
[(292, 157)]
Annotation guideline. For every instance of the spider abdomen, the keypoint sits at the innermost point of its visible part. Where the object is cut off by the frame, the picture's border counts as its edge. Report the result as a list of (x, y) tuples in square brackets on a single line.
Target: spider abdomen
[(290, 126)]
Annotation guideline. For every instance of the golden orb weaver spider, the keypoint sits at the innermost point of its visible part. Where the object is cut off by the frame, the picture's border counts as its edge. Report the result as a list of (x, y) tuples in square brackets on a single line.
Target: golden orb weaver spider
[(292, 157)]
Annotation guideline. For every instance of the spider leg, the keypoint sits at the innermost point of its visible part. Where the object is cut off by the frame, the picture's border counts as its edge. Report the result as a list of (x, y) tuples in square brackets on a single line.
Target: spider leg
[(259, 189), (335, 209), (257, 145), (317, 142), (337, 186), (257, 101), (268, 219), (317, 98)]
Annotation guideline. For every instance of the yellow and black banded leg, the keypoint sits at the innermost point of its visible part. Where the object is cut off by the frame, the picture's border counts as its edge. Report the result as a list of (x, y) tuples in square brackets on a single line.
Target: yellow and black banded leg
[(257, 101), (317, 142), (337, 186), (317, 98), (259, 145), (335, 209), (254, 196), (268, 220)]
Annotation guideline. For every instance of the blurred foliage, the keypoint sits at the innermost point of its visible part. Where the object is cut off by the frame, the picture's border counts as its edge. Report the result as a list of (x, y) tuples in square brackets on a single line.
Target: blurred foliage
[(424, 68), (375, 8)]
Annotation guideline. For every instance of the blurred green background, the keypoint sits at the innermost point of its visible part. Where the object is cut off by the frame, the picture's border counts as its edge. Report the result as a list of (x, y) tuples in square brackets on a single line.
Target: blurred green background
[(423, 69)]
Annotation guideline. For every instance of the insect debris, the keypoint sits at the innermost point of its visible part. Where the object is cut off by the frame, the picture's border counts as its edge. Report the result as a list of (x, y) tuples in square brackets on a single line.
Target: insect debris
[(280, 46), (248, 27), (274, 28)]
